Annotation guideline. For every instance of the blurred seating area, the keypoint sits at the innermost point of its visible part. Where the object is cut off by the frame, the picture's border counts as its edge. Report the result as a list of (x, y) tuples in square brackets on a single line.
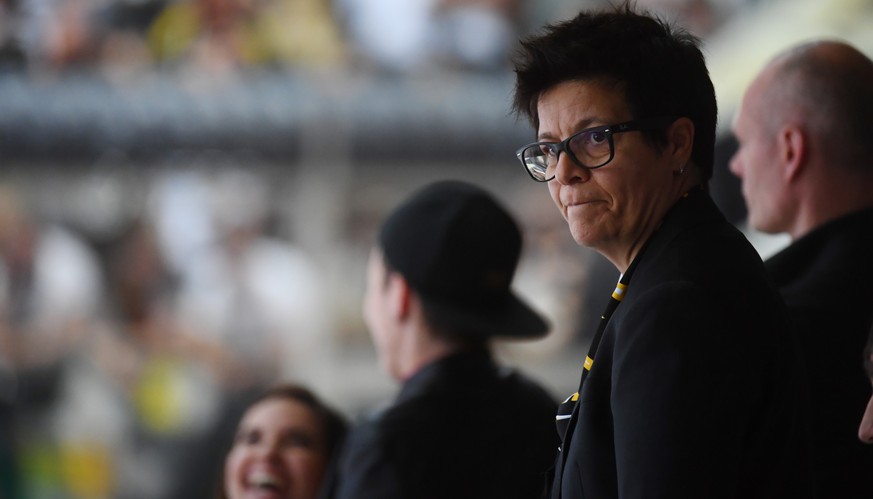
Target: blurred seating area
[(144, 77), (141, 78), (122, 38)]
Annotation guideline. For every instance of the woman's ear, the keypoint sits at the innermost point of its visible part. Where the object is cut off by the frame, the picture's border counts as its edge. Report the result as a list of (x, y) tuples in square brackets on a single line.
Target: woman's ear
[(680, 140)]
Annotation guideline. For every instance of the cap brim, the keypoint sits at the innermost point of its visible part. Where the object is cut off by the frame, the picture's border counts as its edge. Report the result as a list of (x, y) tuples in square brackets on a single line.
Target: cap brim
[(512, 319)]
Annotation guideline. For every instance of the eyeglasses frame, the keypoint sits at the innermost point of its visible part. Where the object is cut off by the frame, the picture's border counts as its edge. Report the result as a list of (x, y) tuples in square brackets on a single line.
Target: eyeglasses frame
[(610, 130)]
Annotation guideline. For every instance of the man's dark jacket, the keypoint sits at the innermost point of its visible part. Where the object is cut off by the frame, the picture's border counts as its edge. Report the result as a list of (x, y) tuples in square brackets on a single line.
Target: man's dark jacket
[(460, 428), (826, 279), (696, 390)]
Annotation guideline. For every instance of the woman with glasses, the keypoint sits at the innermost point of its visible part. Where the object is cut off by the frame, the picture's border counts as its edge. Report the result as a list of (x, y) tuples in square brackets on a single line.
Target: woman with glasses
[(691, 387)]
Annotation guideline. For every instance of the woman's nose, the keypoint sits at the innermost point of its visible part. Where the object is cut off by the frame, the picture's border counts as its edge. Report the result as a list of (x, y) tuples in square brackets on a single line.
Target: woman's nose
[(268, 449), (568, 172)]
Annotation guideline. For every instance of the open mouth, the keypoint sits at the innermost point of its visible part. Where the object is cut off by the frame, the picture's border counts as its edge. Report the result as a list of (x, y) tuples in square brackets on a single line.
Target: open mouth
[(265, 484)]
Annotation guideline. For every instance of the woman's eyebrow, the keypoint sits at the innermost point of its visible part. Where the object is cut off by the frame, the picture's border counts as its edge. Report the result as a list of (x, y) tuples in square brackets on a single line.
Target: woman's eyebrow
[(577, 127)]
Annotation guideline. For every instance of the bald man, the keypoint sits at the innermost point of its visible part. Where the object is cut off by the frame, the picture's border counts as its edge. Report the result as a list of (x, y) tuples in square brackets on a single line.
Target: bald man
[(865, 429), (805, 158)]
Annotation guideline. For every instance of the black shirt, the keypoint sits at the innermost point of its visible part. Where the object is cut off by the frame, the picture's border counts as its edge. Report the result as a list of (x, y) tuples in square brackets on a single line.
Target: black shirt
[(460, 428)]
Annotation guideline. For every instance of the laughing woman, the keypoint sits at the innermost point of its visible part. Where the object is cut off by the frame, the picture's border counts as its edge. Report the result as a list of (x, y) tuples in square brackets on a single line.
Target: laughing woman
[(284, 447)]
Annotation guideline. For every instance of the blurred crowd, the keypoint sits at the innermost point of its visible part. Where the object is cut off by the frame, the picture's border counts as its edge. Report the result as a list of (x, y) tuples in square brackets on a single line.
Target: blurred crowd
[(124, 38), (127, 359)]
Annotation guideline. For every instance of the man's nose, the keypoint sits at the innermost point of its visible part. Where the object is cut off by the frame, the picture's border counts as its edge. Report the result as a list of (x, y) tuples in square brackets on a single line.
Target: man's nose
[(865, 431), (735, 166)]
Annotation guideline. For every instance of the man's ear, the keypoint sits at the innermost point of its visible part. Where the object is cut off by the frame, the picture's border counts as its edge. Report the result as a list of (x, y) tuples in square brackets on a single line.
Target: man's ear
[(791, 148), (680, 140), (400, 295)]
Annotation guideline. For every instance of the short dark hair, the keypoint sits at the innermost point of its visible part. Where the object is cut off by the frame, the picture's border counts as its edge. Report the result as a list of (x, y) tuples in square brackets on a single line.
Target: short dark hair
[(660, 69)]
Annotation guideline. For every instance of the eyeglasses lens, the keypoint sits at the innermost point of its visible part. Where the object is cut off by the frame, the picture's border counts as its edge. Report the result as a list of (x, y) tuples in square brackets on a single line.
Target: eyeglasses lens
[(537, 158), (591, 149)]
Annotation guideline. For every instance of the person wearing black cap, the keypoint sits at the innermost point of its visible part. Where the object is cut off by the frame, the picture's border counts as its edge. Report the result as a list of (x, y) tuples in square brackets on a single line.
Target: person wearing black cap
[(438, 289)]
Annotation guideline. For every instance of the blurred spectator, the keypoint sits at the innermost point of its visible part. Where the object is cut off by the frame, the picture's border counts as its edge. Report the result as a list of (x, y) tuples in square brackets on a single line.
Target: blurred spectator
[(286, 445), (220, 36), (119, 28), (153, 372), (50, 296), (252, 296), (56, 34), (409, 35), (214, 37), (142, 282), (11, 52), (699, 17), (9, 473), (50, 288)]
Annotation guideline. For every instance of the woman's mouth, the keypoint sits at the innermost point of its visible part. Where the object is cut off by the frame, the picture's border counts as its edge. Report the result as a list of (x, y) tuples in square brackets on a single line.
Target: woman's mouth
[(265, 482)]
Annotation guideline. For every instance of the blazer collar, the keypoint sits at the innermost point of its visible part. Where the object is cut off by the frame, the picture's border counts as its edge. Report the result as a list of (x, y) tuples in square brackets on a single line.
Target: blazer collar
[(454, 369), (694, 208)]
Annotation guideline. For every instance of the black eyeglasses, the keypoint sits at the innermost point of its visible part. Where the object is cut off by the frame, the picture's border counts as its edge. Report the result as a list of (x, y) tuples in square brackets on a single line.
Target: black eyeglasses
[(591, 148)]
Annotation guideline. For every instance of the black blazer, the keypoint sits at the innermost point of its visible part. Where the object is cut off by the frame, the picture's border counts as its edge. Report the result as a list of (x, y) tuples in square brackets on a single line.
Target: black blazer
[(825, 278), (696, 389), (460, 428)]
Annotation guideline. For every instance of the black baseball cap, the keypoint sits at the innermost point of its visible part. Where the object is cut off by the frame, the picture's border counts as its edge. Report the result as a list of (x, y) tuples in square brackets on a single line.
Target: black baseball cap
[(458, 248)]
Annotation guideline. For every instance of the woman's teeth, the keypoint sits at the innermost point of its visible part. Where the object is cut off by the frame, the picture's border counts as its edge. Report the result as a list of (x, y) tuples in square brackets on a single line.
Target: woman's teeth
[(265, 481)]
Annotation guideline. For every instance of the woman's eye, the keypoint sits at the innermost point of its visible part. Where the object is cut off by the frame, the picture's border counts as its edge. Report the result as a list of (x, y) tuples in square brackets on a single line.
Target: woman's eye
[(248, 438), (298, 440), (586, 141), (597, 137)]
